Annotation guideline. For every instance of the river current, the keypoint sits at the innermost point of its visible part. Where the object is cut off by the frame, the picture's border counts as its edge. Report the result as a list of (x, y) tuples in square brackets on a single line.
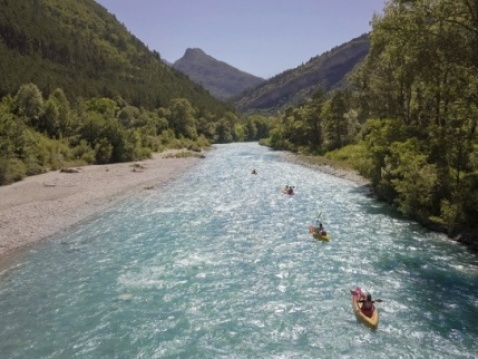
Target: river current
[(220, 264)]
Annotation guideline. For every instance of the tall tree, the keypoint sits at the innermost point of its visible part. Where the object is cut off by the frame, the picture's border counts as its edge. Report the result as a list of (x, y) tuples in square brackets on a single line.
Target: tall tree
[(182, 118), (422, 71), (29, 103)]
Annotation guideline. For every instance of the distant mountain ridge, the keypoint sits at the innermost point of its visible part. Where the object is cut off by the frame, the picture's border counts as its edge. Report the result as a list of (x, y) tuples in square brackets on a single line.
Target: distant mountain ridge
[(294, 86), (221, 79)]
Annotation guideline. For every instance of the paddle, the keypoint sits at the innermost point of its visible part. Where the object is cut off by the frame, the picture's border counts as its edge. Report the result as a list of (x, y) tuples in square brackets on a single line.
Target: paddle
[(373, 301), (318, 217)]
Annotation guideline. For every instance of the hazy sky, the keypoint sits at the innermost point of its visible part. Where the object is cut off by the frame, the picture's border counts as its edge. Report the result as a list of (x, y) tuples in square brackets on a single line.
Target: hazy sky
[(261, 37)]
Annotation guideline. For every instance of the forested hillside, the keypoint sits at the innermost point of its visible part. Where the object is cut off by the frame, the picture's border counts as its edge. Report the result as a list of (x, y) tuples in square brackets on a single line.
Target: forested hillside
[(77, 88), (327, 71), (222, 80), (81, 48), (409, 123)]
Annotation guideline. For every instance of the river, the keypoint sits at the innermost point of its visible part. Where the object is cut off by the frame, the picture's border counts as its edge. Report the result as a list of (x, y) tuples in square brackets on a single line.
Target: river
[(220, 264)]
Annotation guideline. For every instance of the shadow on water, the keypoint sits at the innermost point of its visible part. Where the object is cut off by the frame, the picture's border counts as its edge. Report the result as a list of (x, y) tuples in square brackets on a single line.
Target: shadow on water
[(362, 189), (433, 290), (375, 206)]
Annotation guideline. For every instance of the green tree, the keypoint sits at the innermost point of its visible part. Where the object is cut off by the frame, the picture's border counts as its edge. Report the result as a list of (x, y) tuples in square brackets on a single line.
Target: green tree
[(105, 106), (314, 118), (335, 122), (128, 116), (224, 131), (29, 103), (182, 118), (103, 151), (65, 123), (49, 121), (250, 129), (378, 136), (236, 130), (206, 127), (414, 180)]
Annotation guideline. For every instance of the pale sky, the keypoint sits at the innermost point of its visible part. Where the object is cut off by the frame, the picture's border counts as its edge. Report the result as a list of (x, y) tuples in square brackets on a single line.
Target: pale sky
[(260, 37)]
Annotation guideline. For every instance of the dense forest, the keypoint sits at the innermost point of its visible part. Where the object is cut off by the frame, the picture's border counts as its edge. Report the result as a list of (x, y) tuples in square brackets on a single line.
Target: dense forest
[(409, 122)]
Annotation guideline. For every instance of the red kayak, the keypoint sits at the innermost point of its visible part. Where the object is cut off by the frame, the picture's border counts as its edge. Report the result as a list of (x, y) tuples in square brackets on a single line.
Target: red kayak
[(358, 295)]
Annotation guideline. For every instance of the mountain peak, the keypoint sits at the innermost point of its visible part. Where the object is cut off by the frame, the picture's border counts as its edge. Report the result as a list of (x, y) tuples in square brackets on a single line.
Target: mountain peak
[(192, 53), (221, 79)]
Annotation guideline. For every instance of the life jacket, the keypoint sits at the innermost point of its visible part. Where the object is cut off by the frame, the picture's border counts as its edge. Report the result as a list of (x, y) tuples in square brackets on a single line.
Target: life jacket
[(367, 308)]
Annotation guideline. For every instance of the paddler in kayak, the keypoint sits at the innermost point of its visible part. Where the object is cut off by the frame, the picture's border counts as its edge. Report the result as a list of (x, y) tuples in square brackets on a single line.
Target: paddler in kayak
[(288, 189), (320, 229), (367, 305)]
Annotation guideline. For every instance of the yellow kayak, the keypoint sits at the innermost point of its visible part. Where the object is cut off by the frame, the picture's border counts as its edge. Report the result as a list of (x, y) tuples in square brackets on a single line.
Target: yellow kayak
[(322, 236), (372, 321)]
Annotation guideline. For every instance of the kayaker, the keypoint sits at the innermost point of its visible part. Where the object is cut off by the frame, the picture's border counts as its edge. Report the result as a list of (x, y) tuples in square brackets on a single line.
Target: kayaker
[(367, 305), (321, 229)]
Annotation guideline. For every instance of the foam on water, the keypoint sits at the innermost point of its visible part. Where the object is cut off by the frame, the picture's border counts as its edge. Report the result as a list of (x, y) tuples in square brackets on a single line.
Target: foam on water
[(222, 265)]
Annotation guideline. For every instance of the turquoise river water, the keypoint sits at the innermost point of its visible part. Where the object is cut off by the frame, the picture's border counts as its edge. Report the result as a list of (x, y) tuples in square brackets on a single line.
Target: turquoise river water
[(220, 264)]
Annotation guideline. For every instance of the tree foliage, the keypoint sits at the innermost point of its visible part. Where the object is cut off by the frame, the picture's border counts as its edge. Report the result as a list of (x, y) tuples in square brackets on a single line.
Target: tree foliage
[(422, 71), (323, 123), (413, 112), (38, 134)]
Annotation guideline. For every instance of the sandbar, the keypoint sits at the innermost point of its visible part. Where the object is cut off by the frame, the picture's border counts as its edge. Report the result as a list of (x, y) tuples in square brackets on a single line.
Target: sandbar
[(41, 206)]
